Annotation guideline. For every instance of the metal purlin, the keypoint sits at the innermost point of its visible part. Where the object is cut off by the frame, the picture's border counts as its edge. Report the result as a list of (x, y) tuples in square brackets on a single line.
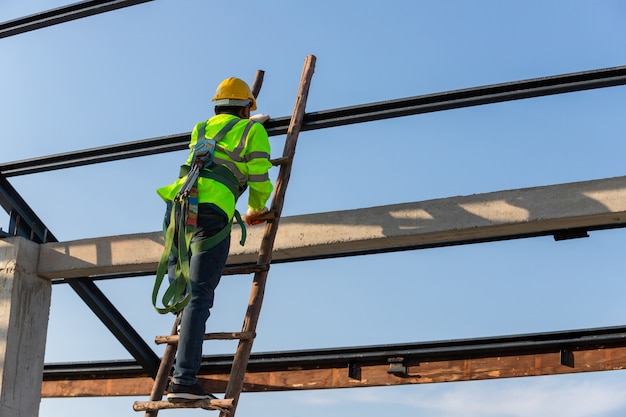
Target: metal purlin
[(62, 15), (455, 99)]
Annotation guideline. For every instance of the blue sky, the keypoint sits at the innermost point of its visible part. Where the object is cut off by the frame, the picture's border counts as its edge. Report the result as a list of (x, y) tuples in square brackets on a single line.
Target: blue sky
[(150, 70)]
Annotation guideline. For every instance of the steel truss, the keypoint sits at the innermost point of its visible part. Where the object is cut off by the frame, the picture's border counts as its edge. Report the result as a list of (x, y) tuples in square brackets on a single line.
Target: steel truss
[(24, 222)]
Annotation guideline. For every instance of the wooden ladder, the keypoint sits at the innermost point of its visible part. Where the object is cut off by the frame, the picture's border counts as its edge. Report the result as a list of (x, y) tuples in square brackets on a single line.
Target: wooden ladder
[(228, 405)]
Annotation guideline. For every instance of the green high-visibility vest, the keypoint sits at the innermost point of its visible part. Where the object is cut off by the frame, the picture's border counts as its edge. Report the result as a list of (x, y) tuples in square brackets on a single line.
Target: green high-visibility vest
[(245, 151)]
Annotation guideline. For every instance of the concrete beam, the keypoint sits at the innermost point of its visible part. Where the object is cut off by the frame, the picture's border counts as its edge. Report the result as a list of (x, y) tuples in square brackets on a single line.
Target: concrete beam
[(439, 222), (24, 312)]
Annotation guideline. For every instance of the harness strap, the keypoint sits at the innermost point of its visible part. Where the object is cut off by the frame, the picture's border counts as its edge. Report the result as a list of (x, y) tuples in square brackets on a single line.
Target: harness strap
[(176, 297), (219, 135), (220, 174), (205, 147), (208, 243), (183, 219)]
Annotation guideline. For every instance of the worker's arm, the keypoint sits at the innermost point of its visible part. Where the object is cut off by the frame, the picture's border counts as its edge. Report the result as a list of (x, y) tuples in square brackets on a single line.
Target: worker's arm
[(257, 156)]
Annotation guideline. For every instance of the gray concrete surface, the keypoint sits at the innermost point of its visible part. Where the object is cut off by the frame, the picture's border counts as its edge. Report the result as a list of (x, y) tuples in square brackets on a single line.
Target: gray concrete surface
[(434, 222), (24, 312)]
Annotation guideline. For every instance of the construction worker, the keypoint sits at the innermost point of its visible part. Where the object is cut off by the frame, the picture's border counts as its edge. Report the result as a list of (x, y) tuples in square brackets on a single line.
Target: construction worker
[(240, 160)]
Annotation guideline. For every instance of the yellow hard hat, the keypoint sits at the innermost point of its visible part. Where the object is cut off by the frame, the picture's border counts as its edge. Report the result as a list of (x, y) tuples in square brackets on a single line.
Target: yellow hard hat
[(234, 92)]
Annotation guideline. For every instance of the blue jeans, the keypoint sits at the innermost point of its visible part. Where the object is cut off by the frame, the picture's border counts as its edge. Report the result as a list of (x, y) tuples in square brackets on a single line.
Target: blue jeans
[(205, 271)]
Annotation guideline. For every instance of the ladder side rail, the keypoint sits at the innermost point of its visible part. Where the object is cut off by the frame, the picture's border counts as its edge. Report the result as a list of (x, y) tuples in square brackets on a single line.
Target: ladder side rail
[(244, 348), (162, 376)]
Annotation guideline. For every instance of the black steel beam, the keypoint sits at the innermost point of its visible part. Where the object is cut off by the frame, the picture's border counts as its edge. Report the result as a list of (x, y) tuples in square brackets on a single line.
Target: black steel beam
[(62, 14), (23, 220), (25, 223), (96, 155), (117, 324), (455, 99), (488, 347)]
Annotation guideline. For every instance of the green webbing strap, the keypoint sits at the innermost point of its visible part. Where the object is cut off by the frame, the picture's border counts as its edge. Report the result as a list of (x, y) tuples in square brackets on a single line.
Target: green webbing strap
[(177, 296), (208, 243), (241, 224), (219, 135), (218, 173)]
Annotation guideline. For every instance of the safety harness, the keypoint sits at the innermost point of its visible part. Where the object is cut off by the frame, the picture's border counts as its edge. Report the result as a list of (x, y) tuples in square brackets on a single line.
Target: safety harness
[(183, 219)]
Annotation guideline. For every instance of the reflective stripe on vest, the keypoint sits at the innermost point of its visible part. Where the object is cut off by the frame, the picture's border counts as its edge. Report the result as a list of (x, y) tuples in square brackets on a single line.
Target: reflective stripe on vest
[(221, 170), (235, 154)]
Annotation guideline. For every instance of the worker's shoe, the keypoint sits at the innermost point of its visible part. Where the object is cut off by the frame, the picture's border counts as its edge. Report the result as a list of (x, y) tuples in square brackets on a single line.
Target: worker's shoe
[(181, 393)]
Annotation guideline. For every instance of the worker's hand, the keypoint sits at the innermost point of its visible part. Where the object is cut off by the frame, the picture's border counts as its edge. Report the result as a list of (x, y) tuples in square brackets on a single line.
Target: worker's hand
[(252, 216), (260, 118)]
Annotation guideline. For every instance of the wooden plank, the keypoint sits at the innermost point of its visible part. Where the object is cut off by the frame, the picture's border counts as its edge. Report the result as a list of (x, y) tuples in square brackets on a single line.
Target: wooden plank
[(467, 369)]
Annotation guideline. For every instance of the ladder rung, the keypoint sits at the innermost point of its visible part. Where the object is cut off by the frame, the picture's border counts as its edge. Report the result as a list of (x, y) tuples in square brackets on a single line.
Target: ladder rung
[(222, 405), (244, 269), (281, 161), (268, 217), (173, 339)]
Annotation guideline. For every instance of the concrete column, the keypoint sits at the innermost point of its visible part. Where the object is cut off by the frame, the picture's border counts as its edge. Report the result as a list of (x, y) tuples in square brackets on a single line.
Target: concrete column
[(24, 312)]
